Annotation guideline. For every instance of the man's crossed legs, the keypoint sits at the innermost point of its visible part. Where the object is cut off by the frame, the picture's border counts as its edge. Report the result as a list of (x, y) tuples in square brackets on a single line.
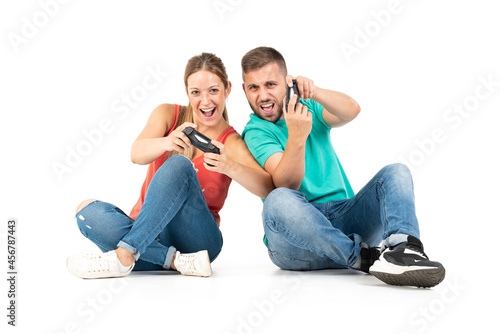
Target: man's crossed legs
[(345, 233)]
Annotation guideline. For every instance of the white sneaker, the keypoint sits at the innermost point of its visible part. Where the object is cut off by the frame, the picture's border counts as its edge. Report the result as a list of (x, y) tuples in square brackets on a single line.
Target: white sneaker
[(104, 265), (193, 264)]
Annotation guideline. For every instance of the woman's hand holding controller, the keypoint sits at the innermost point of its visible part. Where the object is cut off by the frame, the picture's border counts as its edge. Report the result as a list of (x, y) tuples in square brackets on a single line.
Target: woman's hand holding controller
[(177, 140)]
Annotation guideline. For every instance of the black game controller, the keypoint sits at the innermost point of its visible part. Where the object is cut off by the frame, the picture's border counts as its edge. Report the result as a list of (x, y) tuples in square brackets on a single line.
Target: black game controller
[(289, 93), (200, 141)]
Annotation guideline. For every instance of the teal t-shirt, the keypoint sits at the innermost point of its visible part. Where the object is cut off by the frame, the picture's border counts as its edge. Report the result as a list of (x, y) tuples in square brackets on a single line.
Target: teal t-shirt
[(324, 179)]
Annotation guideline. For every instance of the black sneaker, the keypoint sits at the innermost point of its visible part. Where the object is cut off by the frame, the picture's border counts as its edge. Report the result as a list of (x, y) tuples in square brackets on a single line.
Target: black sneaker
[(368, 257), (407, 264)]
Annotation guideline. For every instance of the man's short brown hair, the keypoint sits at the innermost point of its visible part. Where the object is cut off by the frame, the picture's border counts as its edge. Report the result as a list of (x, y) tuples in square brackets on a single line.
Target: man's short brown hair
[(260, 57)]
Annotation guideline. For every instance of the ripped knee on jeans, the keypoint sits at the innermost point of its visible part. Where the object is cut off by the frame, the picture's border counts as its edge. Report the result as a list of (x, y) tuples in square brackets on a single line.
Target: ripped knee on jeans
[(84, 204)]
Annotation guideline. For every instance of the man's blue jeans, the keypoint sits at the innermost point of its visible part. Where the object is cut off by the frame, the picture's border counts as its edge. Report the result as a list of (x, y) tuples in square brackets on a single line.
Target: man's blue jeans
[(309, 236), (175, 216)]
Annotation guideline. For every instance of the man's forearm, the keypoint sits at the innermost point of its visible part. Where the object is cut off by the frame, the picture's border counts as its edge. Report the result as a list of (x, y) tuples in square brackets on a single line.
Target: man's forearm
[(291, 169), (288, 169), (338, 104)]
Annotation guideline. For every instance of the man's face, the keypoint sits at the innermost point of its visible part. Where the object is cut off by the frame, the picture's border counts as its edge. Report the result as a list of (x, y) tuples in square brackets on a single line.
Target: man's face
[(265, 89)]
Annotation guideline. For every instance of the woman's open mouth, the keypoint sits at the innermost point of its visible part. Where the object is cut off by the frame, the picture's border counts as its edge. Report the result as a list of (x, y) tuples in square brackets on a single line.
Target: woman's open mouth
[(208, 112)]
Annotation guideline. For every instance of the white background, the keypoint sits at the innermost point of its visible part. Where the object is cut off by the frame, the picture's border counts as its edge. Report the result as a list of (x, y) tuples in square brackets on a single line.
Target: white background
[(72, 65)]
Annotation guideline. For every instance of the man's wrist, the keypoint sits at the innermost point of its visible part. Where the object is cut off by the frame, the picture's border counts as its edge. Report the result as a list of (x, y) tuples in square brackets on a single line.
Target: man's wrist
[(319, 95), (296, 142)]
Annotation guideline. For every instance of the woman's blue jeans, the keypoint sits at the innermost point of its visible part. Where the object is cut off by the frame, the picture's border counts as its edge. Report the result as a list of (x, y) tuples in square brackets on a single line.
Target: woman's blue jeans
[(309, 236), (174, 217)]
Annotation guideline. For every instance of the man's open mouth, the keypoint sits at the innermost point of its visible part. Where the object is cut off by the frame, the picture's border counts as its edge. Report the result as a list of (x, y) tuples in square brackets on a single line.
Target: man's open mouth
[(267, 108)]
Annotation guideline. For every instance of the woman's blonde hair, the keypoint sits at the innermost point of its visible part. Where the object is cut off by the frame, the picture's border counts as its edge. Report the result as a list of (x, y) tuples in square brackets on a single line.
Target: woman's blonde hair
[(208, 62)]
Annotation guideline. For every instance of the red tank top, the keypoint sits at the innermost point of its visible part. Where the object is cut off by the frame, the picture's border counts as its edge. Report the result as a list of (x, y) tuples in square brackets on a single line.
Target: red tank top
[(214, 185)]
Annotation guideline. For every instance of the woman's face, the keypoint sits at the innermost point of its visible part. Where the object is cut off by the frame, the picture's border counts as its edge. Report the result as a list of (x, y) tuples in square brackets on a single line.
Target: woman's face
[(207, 96)]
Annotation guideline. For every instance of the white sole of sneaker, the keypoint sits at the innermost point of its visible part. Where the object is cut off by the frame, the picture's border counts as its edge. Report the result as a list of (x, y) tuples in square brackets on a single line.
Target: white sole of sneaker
[(389, 268), (422, 277)]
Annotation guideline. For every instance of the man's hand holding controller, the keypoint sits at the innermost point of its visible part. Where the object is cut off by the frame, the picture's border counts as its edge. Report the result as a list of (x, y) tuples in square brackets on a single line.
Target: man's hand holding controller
[(305, 86), (298, 118)]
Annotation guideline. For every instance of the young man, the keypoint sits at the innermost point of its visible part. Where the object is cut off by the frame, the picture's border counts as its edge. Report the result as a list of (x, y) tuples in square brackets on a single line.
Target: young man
[(313, 220)]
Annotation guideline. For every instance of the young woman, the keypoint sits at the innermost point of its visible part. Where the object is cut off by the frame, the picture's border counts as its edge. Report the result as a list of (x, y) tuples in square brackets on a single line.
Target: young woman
[(175, 223)]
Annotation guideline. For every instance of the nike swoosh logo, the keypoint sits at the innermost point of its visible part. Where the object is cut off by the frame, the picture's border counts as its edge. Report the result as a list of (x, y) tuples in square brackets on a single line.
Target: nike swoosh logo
[(409, 251)]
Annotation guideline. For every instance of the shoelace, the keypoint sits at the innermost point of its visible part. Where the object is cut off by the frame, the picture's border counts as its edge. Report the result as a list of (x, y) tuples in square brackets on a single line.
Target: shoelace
[(186, 264), (99, 263)]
